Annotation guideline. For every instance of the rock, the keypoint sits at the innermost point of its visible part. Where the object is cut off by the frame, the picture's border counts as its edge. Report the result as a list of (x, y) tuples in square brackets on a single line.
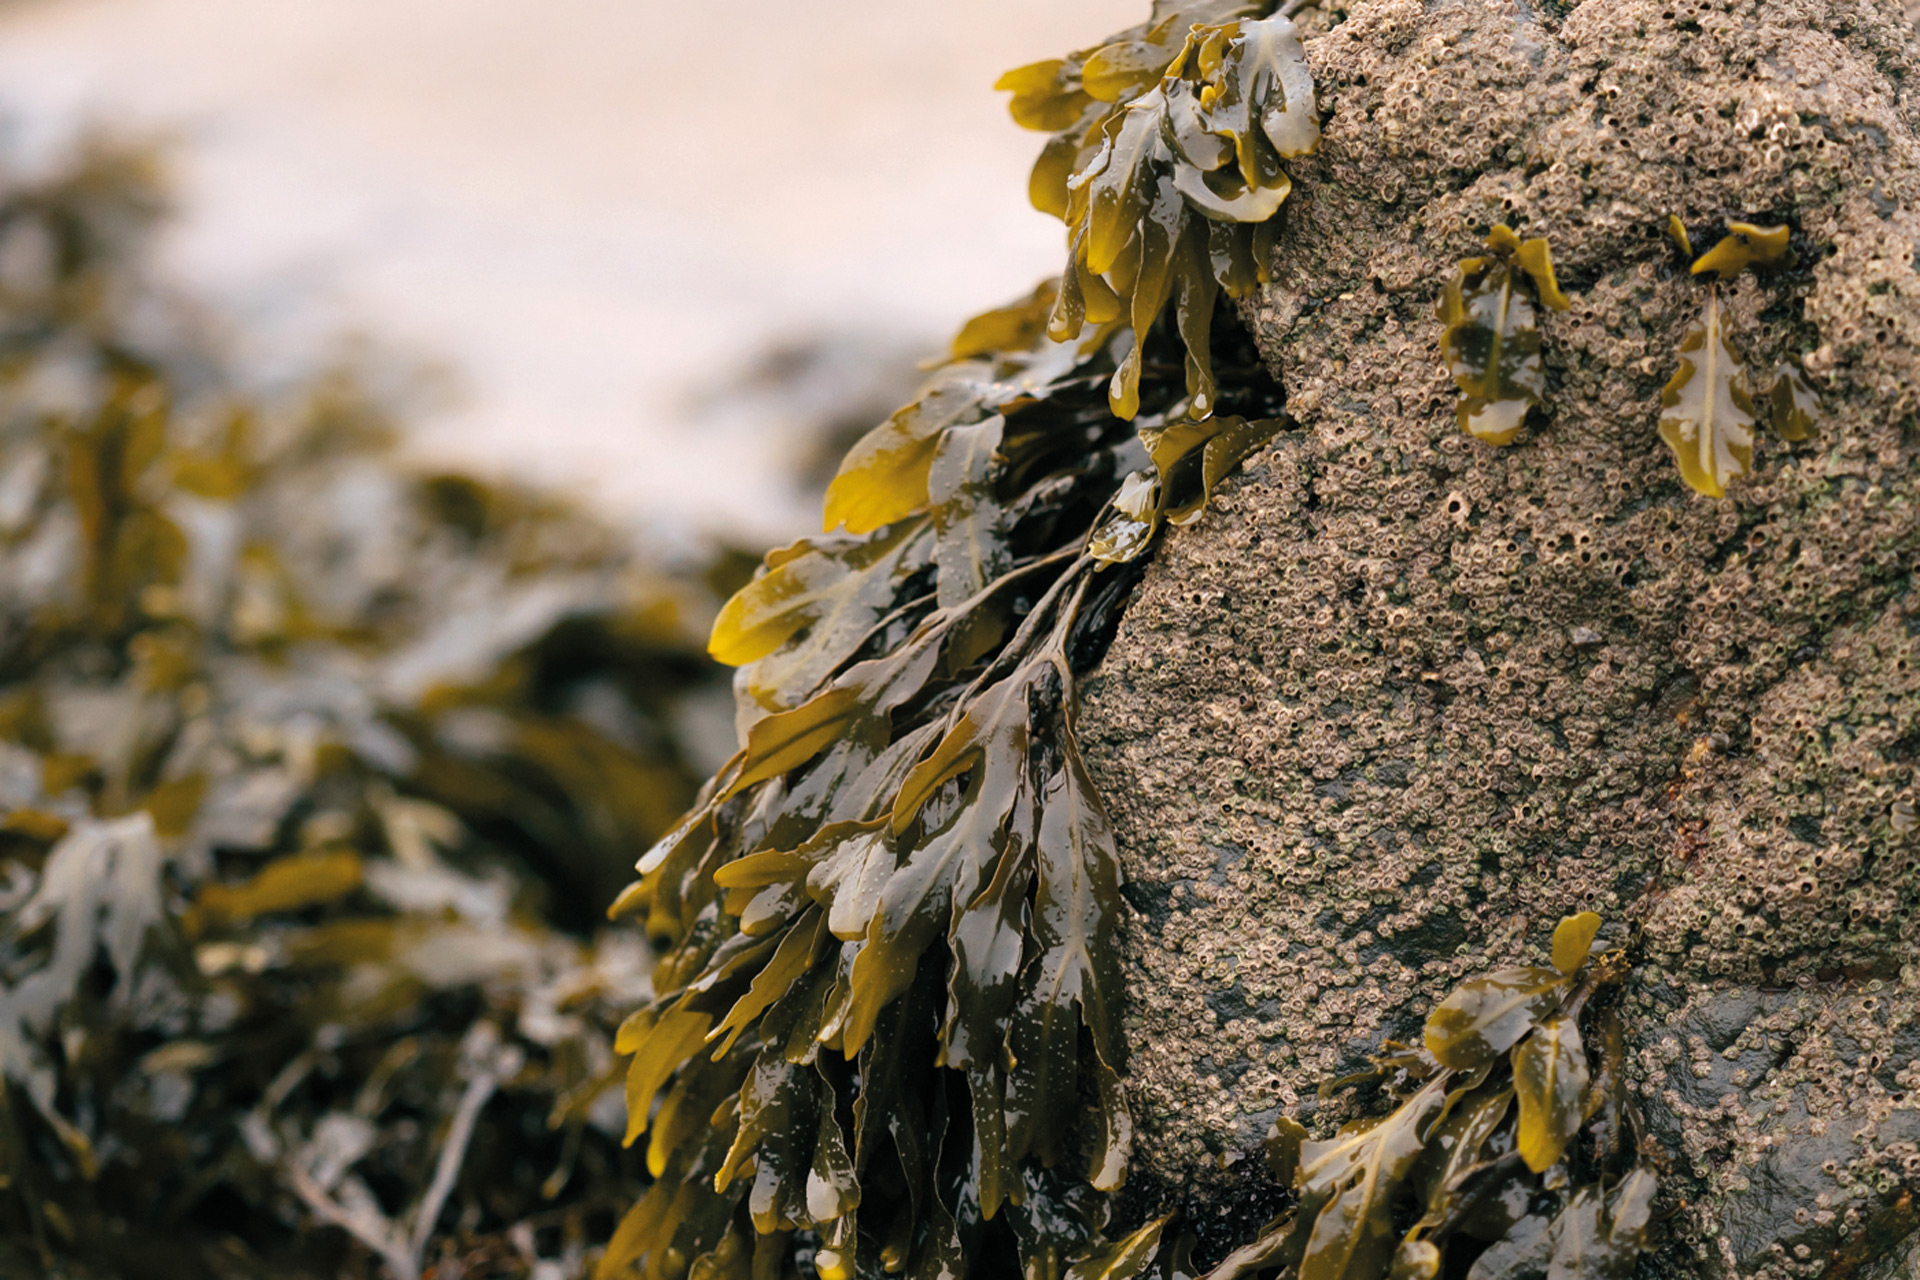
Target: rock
[(1404, 700)]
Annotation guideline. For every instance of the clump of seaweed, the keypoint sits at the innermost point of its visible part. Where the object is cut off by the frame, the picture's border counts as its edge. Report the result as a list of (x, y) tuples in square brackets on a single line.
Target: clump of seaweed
[(1477, 1171), (1165, 164), (886, 1038), (1491, 342), (1708, 409), (301, 756)]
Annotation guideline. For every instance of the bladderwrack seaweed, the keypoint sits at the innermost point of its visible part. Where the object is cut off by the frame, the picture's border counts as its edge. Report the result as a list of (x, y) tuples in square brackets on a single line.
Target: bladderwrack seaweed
[(1491, 337), (1168, 171), (906, 862), (1710, 406)]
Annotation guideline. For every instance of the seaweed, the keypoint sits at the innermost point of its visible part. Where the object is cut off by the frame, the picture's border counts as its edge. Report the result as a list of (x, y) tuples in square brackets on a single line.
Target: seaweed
[(1476, 1171), (1492, 347), (307, 762), (1706, 413), (1792, 405), (1189, 459), (1745, 245), (1677, 233), (1708, 408), (1166, 165), (886, 1036), (890, 919), (908, 844), (1491, 339)]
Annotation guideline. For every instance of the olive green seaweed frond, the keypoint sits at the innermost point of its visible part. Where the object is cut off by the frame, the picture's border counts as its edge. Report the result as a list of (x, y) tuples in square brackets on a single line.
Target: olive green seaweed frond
[(1491, 342), (1491, 345), (1166, 166), (1709, 408)]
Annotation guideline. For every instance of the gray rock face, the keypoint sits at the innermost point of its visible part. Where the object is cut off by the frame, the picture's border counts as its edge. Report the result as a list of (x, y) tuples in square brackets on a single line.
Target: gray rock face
[(1402, 700)]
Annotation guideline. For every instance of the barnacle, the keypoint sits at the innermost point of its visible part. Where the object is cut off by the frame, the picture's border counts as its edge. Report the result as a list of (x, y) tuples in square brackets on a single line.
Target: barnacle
[(1165, 165), (1491, 343)]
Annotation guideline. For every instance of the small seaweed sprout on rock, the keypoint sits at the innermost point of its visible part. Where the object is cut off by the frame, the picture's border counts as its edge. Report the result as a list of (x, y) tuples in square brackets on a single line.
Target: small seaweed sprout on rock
[(1708, 409), (1491, 343)]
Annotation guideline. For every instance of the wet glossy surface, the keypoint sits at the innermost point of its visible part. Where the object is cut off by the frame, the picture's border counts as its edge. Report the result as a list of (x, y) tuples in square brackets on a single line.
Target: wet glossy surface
[(1706, 413)]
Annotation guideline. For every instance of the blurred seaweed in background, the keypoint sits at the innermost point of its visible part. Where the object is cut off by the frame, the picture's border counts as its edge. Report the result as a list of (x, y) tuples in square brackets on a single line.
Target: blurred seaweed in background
[(316, 773)]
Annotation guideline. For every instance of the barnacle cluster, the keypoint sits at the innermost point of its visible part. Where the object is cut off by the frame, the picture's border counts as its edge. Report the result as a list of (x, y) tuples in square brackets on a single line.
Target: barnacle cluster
[(305, 760), (1402, 698)]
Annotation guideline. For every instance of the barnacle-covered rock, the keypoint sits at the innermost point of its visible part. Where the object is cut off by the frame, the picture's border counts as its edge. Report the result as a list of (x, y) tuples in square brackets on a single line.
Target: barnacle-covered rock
[(1405, 700)]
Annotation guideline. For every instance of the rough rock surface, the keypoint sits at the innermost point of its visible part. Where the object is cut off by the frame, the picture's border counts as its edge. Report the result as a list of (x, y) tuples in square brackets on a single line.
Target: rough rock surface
[(1403, 699)]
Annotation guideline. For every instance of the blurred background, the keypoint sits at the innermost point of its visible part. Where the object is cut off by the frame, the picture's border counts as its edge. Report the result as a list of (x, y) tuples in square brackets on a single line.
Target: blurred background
[(371, 748), (651, 253)]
